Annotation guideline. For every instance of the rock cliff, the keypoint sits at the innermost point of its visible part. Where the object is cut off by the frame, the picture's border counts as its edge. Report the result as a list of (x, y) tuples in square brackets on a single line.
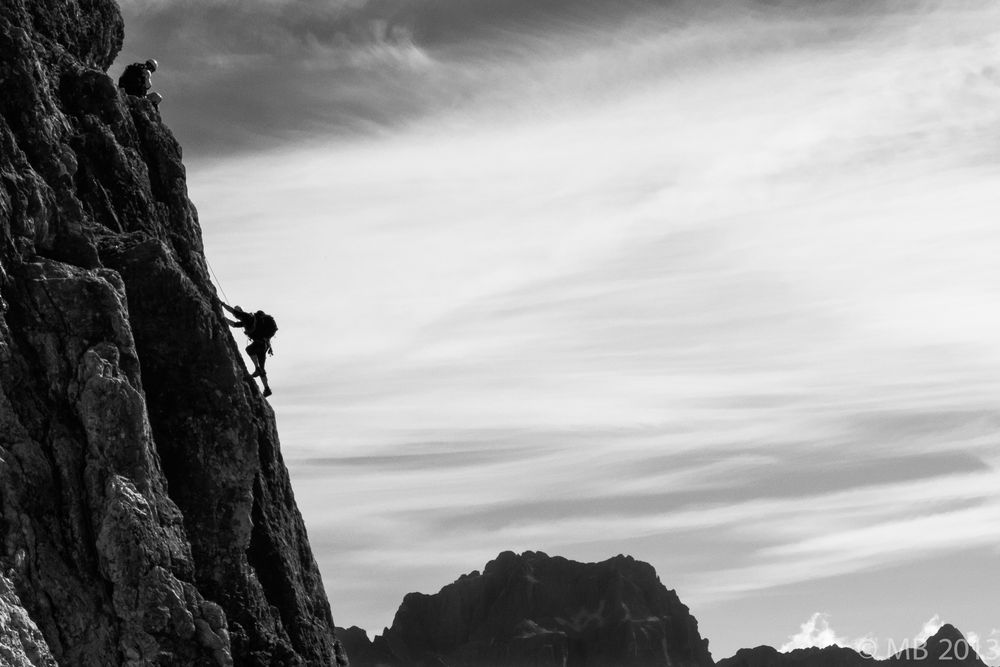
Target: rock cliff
[(531, 610), (146, 515)]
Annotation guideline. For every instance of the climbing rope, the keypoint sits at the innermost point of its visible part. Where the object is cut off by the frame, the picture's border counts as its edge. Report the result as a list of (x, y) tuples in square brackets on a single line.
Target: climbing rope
[(218, 282)]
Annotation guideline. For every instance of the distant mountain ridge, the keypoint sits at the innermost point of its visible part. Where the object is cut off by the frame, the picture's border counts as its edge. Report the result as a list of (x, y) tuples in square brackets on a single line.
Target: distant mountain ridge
[(946, 648), (533, 610)]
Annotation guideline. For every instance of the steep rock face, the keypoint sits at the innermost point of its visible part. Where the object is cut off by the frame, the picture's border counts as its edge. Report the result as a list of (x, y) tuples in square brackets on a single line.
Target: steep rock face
[(533, 610), (146, 516)]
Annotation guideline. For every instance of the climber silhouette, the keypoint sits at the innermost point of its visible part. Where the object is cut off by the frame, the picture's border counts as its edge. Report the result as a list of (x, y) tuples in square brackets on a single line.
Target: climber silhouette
[(135, 80), (259, 328)]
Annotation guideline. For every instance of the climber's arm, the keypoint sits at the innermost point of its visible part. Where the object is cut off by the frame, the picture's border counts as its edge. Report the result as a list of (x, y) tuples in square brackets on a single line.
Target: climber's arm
[(237, 311)]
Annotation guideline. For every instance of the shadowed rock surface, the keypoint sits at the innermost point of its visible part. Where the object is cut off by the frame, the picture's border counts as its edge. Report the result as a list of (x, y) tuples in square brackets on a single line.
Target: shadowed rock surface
[(531, 610), (146, 515), (946, 647), (21, 642), (361, 650)]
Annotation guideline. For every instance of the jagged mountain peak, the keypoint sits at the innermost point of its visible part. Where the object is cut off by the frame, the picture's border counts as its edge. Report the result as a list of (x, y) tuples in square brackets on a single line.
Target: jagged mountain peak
[(532, 608), (947, 632), (947, 645)]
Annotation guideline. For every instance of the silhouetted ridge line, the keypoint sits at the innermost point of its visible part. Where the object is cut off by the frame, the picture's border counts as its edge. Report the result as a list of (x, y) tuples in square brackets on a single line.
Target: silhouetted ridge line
[(532, 609), (947, 646)]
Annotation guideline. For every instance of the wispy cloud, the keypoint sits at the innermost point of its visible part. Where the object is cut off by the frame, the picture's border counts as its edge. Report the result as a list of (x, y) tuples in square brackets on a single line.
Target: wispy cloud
[(817, 632), (719, 291), (258, 74)]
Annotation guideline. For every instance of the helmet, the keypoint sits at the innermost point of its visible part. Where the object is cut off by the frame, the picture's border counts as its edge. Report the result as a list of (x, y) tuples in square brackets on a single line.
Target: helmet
[(151, 65)]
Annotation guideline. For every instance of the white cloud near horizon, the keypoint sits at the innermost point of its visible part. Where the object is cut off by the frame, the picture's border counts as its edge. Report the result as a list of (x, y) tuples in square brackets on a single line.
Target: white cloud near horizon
[(814, 632), (932, 625), (817, 632), (626, 298)]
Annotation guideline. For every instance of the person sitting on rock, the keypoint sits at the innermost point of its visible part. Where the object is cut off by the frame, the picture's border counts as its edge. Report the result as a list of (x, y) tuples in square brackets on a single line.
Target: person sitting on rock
[(259, 328), (135, 80)]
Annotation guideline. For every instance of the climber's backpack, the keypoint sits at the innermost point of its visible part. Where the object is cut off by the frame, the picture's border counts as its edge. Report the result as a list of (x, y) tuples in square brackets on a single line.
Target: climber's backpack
[(134, 79), (264, 327)]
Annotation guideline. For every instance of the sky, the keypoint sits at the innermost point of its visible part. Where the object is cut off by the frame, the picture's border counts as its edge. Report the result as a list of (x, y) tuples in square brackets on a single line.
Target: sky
[(710, 283)]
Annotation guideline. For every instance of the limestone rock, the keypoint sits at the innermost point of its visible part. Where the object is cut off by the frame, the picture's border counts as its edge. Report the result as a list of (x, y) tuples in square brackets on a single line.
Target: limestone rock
[(146, 515), (21, 642)]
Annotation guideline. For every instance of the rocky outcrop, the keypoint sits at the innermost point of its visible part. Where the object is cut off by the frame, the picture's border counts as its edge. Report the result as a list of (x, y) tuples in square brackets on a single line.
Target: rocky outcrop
[(532, 610), (21, 642), (145, 513), (946, 647)]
